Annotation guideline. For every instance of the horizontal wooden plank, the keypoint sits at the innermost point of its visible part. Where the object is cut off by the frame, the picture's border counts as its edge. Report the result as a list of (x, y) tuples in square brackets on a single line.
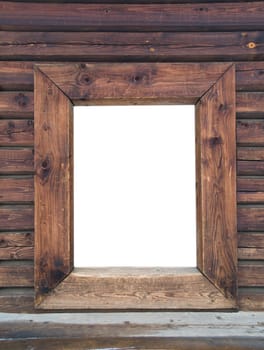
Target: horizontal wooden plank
[(176, 82), (250, 103), (16, 161), (251, 299), (16, 132), (251, 275), (251, 253), (16, 239), (160, 46), (137, 17), (82, 289), (250, 184), (249, 75), (251, 240), (250, 218), (16, 275), (16, 189), (17, 217), (250, 167), (250, 132), (250, 153), (17, 300), (16, 75), (250, 197), (16, 104), (16, 253)]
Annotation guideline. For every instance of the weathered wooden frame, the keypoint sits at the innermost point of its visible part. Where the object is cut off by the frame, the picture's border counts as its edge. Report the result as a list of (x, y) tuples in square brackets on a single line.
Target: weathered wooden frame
[(211, 87)]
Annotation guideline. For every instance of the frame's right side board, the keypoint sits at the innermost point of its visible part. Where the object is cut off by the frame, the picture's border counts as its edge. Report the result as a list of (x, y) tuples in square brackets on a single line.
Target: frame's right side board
[(217, 32)]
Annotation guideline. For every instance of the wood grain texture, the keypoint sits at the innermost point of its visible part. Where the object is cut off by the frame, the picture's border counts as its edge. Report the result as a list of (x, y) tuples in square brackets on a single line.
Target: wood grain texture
[(123, 46), (251, 240), (216, 181), (17, 253), (16, 132), (156, 330), (251, 299), (16, 239), (250, 197), (53, 185), (250, 184), (250, 153), (15, 75), (249, 76), (117, 288), (250, 168), (135, 83), (250, 132), (16, 161), (251, 253), (17, 300), (250, 103), (17, 217), (251, 275), (250, 218), (126, 17), (16, 275), (16, 189), (16, 104)]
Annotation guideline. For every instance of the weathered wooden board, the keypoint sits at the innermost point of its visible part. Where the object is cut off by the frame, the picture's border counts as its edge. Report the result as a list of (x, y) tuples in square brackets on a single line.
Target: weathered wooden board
[(137, 17), (158, 46), (17, 217), (16, 274), (250, 218), (16, 104), (16, 189), (251, 275), (16, 132), (16, 161), (251, 240)]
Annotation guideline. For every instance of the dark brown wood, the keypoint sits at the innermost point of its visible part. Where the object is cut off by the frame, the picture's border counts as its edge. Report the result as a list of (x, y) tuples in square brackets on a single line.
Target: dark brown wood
[(16, 161), (137, 17), (251, 275), (250, 197), (249, 76), (250, 218), (16, 239), (16, 132), (16, 104), (16, 275), (250, 132), (16, 189), (251, 240), (250, 184), (250, 153), (216, 180), (251, 253), (53, 185), (250, 103), (17, 217), (170, 83), (16, 75), (17, 253), (112, 46), (250, 168)]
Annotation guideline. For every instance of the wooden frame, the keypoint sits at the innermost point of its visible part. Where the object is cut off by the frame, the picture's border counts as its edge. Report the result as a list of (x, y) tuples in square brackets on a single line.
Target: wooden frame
[(211, 87)]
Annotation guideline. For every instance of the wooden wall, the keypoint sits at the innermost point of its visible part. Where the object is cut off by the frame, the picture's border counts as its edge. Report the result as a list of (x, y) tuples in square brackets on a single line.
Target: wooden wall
[(179, 32)]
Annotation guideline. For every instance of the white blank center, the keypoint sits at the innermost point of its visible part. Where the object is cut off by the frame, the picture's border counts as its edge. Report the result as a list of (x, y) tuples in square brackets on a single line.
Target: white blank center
[(134, 186)]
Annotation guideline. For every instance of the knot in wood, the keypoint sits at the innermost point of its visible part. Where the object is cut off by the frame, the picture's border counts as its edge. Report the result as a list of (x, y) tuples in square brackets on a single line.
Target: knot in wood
[(21, 100), (251, 45)]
